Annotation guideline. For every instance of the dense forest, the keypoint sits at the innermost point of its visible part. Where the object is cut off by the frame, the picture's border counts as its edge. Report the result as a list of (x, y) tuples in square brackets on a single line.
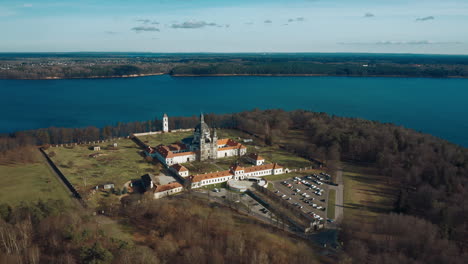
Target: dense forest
[(432, 175), (89, 65)]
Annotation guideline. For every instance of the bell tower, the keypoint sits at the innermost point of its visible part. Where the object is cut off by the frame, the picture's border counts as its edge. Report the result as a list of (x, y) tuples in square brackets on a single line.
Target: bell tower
[(165, 125)]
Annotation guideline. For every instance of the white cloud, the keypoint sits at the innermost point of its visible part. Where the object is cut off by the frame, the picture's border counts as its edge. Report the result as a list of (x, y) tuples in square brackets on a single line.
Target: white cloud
[(193, 24)]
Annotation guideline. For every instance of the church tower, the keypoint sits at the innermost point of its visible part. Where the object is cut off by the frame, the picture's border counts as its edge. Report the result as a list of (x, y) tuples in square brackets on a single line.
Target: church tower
[(165, 126), (202, 135), (214, 145)]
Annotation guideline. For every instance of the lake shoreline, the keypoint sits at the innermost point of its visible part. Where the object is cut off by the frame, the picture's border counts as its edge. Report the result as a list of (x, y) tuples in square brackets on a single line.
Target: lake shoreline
[(230, 75), (90, 77)]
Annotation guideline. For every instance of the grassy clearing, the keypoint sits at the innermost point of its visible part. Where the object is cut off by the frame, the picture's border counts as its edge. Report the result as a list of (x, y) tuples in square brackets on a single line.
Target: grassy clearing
[(284, 158), (331, 204), (29, 183), (366, 193), (198, 167), (165, 139), (114, 166), (270, 153)]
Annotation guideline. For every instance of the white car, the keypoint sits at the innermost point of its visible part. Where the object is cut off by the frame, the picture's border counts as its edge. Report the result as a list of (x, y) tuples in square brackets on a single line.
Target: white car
[(319, 207)]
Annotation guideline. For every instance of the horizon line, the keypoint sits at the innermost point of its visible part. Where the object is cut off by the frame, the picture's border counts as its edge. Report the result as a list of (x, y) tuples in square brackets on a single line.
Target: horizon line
[(246, 52)]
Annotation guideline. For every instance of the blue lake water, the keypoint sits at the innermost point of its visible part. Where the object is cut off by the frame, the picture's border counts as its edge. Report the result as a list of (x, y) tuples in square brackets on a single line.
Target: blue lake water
[(435, 106)]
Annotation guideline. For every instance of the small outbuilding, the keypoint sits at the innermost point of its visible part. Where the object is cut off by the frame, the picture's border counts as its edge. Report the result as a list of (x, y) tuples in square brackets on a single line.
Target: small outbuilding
[(96, 148), (255, 159), (108, 186)]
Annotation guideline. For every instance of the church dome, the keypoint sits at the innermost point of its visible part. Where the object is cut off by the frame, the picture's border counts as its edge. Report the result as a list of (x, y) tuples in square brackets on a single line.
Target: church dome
[(202, 126)]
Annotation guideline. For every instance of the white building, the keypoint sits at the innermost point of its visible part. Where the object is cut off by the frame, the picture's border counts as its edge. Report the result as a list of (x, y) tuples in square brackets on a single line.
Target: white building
[(255, 159), (179, 170), (167, 189), (204, 145), (165, 124), (150, 183), (237, 173)]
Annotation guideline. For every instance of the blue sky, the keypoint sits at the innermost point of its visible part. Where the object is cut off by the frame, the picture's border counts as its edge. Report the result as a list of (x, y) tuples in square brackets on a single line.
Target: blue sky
[(393, 26)]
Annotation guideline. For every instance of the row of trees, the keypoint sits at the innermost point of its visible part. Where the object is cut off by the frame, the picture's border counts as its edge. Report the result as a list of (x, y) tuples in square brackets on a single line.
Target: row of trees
[(332, 69)]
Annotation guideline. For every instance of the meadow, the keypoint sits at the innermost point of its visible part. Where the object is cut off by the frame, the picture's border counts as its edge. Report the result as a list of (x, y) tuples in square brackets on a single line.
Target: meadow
[(114, 165), (29, 183)]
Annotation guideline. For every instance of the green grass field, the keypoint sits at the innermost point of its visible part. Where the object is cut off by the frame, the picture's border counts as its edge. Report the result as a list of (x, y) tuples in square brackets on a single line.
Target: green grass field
[(165, 139), (366, 193), (30, 183), (282, 157), (114, 166), (331, 204), (198, 167)]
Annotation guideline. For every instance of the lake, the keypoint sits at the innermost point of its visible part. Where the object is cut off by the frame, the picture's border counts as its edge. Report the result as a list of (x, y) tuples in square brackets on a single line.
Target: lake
[(434, 106)]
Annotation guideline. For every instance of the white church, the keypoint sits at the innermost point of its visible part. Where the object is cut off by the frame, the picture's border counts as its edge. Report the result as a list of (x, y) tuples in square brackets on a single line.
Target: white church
[(203, 145)]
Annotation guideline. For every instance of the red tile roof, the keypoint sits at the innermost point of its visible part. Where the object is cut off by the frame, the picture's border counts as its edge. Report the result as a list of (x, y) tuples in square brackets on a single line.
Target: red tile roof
[(166, 152), (179, 167), (270, 166), (228, 143), (200, 177), (166, 187), (255, 156), (237, 168)]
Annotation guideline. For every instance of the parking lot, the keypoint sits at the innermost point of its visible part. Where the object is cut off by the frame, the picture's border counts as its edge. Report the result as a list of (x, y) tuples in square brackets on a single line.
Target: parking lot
[(308, 193)]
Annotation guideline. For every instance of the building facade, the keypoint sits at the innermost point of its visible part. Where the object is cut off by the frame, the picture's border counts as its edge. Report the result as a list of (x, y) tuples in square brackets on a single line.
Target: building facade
[(203, 145), (165, 123)]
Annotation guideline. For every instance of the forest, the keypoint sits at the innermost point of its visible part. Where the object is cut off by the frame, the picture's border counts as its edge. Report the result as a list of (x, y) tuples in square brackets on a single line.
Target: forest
[(177, 230), (92, 65), (429, 219)]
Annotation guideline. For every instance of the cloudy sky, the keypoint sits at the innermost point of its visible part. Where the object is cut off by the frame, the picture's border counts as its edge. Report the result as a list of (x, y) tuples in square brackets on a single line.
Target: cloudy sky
[(403, 26)]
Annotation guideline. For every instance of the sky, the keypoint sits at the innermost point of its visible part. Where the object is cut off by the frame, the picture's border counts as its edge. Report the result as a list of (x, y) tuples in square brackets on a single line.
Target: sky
[(375, 26)]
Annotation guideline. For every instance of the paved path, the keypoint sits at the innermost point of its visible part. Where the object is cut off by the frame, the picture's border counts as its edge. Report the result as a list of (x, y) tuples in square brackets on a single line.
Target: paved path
[(339, 200)]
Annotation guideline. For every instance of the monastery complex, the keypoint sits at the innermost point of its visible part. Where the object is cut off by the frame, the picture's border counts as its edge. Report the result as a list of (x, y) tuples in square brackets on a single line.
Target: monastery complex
[(204, 145)]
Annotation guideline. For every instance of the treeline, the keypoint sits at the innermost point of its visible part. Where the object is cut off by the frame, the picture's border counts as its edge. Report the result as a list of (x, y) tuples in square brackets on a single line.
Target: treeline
[(189, 230), (20, 149), (179, 230), (316, 68), (88, 65), (399, 238), (47, 232), (81, 71)]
